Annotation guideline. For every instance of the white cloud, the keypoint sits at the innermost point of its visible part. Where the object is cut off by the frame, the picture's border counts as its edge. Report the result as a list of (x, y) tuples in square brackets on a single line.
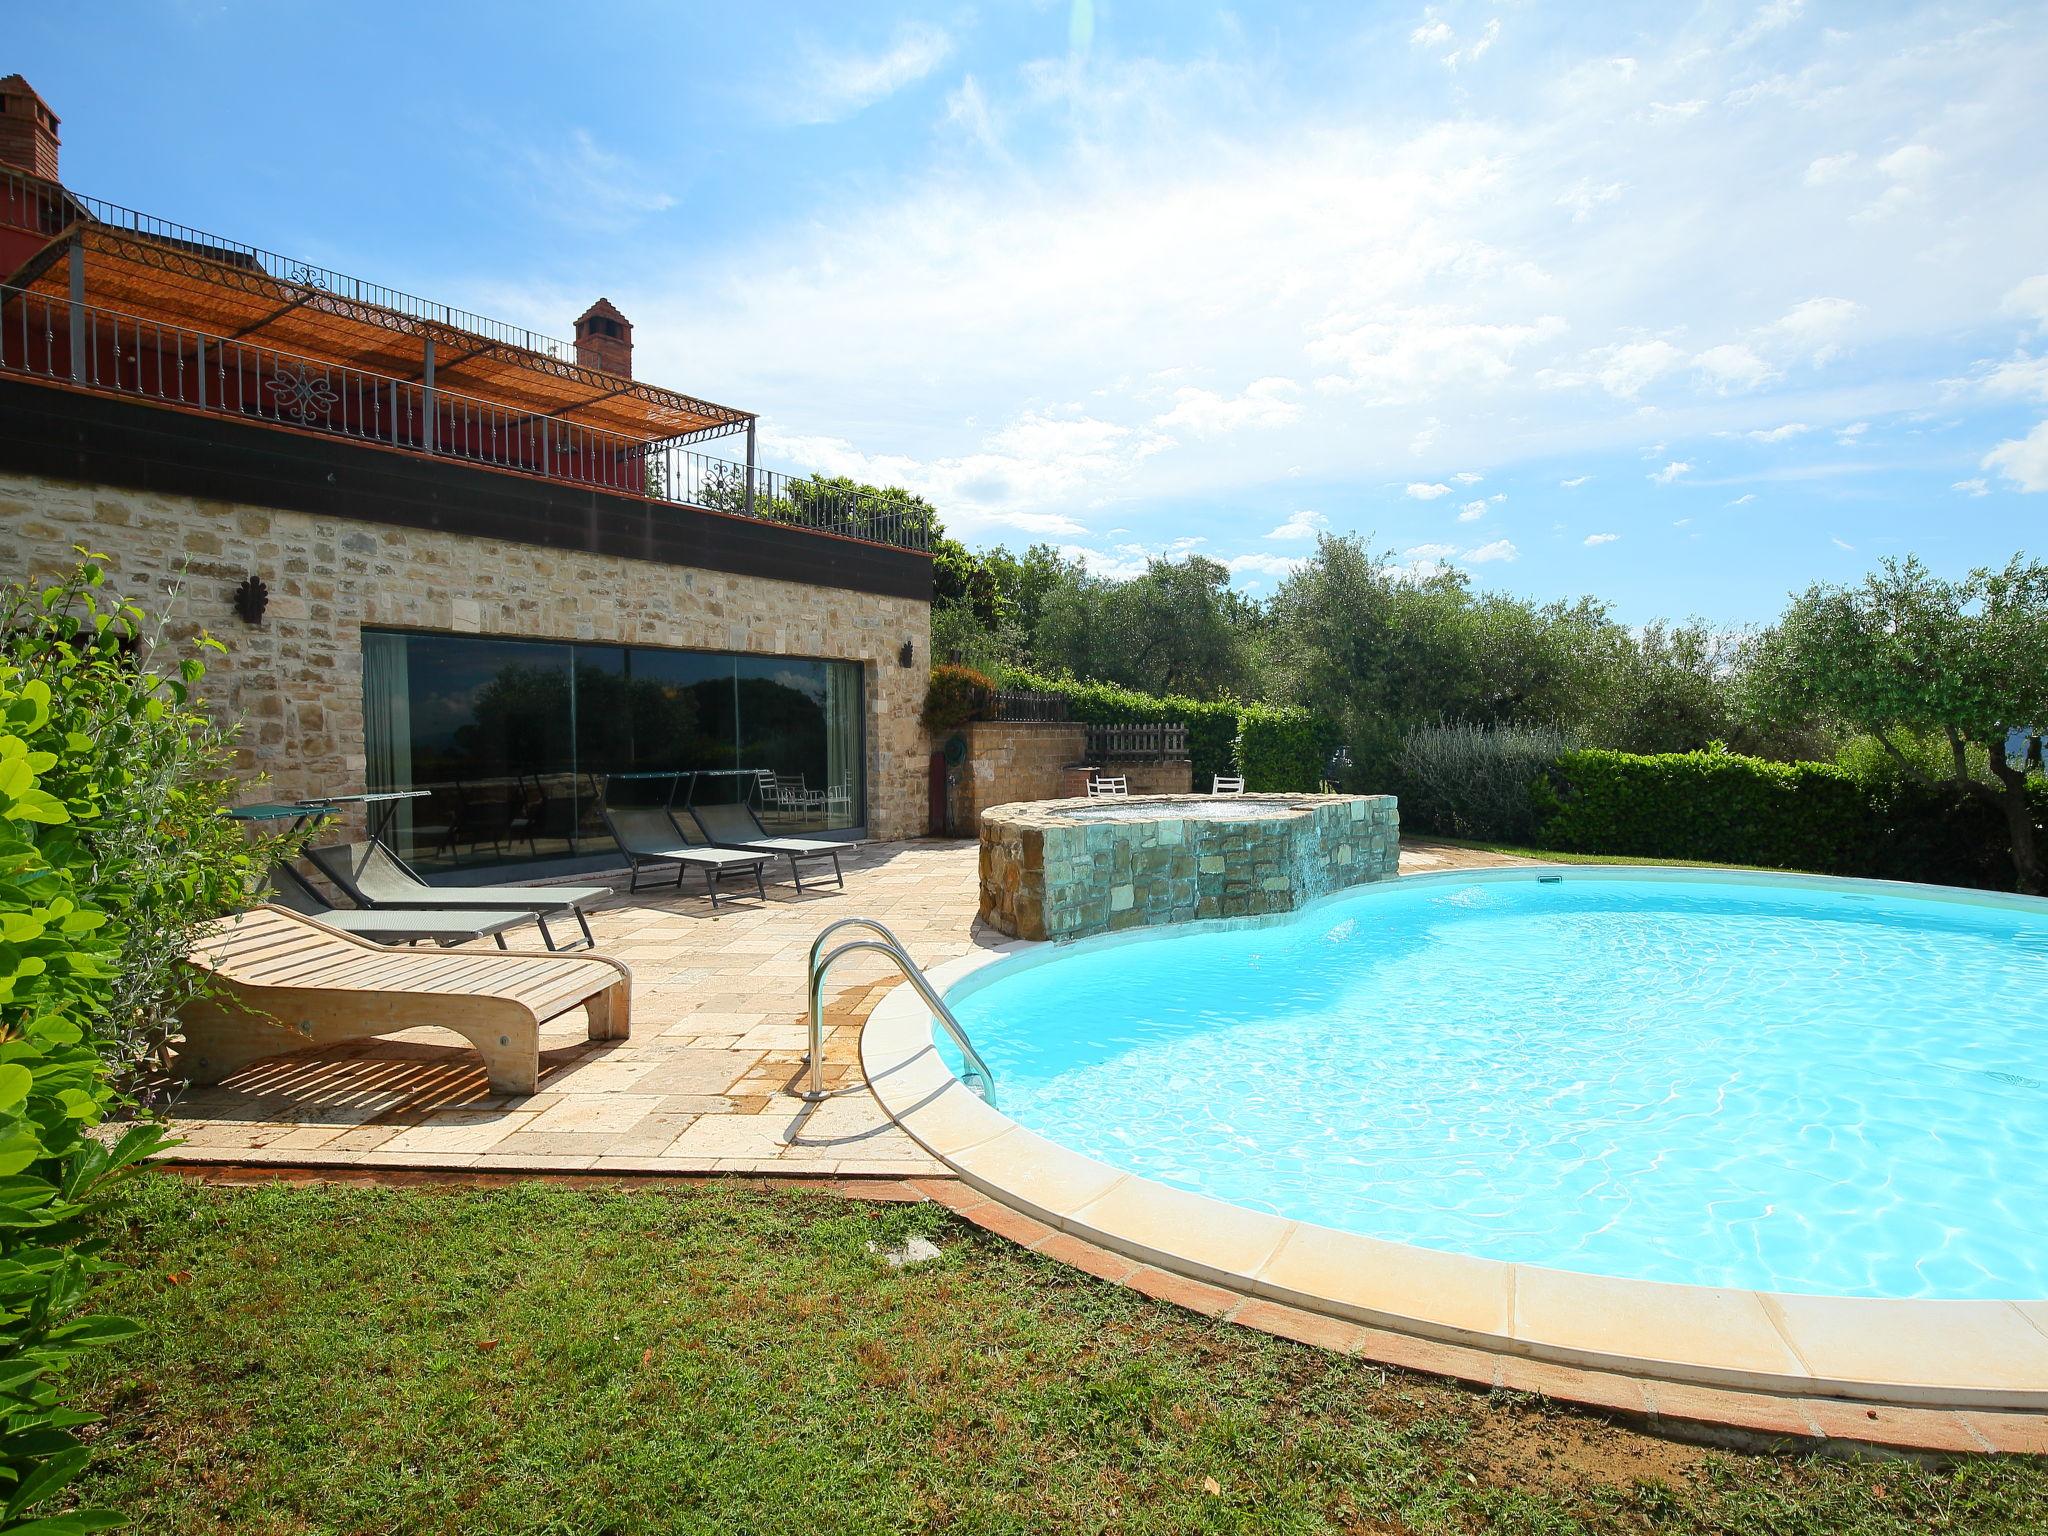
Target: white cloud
[(2022, 377), (1423, 491), (1841, 543), (2022, 460), (834, 82), (1584, 195), (1849, 436), (1815, 327), (1676, 111), (1670, 472), (585, 184), (1683, 522), (1574, 483), (1973, 487), (1467, 477), (1593, 539), (1741, 501), (1733, 367), (1486, 554), (1431, 552), (1769, 18), (1625, 371), (1910, 162), (1397, 356), (1265, 403), (1471, 52), (1779, 434), (1472, 511), (1830, 168), (2030, 298), (1300, 525), (1277, 567), (1433, 32)]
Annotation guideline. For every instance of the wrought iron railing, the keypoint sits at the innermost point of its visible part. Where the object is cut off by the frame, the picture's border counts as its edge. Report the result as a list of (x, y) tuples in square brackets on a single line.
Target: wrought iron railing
[(33, 203), (45, 337), (1136, 741), (1018, 704)]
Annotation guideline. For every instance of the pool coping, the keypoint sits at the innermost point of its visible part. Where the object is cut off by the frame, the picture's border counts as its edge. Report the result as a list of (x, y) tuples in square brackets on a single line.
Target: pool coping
[(1921, 1353)]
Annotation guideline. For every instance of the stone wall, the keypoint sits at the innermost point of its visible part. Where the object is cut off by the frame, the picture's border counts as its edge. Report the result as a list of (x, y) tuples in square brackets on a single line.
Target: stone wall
[(1174, 776), (1011, 760), (1052, 871), (296, 680)]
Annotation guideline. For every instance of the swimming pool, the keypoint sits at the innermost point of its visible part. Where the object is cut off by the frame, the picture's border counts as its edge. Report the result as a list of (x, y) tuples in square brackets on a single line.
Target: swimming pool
[(1785, 1085)]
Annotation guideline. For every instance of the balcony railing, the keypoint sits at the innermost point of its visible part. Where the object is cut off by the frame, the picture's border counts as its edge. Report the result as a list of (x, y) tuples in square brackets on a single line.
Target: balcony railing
[(113, 353)]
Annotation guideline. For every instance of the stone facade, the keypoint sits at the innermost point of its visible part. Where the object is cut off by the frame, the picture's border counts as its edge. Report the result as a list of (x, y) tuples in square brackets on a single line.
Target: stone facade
[(295, 681), (1051, 871)]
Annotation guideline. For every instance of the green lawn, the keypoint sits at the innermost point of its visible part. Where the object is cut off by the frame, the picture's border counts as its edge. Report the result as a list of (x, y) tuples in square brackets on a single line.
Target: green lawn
[(732, 1359), (1552, 856)]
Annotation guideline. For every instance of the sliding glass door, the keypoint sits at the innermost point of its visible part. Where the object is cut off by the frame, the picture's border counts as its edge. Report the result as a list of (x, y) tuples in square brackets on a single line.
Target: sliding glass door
[(516, 740)]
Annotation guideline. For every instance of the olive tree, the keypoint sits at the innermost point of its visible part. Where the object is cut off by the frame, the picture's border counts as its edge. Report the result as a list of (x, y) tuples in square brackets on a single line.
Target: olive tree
[(1908, 653)]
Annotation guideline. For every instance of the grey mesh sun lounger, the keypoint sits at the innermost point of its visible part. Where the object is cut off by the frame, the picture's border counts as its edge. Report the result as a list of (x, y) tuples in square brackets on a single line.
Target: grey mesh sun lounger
[(395, 925), (736, 826), (648, 835), (374, 876)]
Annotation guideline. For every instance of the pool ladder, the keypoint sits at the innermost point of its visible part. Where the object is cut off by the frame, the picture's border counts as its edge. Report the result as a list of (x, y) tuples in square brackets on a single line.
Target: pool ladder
[(977, 1076)]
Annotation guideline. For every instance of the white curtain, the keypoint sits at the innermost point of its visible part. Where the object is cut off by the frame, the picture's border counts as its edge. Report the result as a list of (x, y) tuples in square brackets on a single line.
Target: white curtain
[(387, 726), (843, 721)]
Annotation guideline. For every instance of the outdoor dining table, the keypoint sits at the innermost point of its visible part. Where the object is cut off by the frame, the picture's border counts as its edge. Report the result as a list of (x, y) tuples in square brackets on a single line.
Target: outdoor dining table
[(298, 813), (380, 807)]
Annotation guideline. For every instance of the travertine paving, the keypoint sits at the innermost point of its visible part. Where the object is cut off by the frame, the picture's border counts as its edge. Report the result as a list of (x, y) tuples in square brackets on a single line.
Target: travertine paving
[(701, 1087)]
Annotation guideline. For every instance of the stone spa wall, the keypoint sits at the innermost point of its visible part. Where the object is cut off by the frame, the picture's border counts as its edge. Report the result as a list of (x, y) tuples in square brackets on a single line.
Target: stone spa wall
[(1064, 869)]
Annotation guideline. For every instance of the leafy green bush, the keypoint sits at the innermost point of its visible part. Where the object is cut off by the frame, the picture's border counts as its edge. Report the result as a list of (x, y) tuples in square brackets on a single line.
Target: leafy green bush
[(1282, 747), (955, 696), (112, 853), (1710, 805), (1467, 780)]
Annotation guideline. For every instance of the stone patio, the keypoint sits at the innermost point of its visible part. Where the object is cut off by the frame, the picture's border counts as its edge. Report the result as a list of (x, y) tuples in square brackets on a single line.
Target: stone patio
[(701, 1087)]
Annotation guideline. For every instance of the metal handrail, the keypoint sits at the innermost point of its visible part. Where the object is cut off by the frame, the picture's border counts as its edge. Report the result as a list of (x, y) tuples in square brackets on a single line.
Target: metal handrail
[(891, 946)]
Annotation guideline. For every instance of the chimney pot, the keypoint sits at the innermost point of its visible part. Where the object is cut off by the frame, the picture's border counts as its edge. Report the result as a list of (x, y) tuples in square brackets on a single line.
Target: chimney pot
[(28, 129), (604, 340)]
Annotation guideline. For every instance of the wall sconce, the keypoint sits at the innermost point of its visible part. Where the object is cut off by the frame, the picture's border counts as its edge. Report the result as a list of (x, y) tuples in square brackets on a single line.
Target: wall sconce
[(251, 598), (907, 656)]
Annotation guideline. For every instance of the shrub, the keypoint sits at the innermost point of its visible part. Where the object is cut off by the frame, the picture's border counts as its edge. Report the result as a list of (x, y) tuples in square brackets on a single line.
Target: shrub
[(1711, 805), (955, 696), (1467, 780), (112, 852), (1282, 747)]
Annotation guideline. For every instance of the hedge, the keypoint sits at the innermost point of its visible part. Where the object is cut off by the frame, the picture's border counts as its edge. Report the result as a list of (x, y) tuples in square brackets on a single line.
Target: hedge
[(1713, 806), (1723, 808), (1282, 747)]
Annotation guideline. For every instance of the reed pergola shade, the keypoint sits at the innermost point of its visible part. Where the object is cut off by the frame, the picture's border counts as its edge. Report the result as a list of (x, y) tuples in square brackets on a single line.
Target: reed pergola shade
[(226, 293)]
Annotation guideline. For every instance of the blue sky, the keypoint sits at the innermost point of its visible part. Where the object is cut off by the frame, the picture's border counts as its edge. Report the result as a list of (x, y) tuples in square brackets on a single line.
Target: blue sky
[(1684, 307)]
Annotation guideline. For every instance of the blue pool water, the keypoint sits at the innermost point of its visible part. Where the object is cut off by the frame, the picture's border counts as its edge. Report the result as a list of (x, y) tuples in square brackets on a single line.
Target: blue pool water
[(1726, 1083)]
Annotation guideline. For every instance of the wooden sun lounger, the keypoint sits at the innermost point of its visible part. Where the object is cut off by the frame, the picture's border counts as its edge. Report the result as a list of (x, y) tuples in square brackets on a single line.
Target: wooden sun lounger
[(286, 981)]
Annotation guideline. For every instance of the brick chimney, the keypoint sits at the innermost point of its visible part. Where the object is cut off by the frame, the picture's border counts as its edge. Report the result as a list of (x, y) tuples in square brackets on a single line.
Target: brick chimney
[(604, 340), (28, 129)]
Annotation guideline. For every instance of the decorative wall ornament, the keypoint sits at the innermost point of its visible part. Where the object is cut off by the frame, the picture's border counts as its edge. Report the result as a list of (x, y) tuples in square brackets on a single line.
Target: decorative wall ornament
[(251, 598), (301, 394)]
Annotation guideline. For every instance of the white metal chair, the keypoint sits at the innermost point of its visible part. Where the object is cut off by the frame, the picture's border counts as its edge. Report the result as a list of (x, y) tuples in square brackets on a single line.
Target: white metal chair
[(1100, 788), (1222, 786)]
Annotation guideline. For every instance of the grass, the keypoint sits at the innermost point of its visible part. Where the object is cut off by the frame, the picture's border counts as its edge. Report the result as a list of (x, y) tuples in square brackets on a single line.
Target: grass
[(1553, 856), (541, 1359)]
